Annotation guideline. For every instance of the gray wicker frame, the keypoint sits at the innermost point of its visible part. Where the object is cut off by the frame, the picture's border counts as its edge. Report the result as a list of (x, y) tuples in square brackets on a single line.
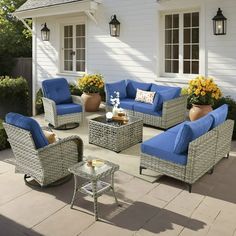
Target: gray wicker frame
[(224, 137), (59, 120), (173, 112), (45, 165)]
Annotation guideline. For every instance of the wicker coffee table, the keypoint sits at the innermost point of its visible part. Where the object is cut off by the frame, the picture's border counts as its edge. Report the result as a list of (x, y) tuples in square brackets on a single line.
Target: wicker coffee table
[(115, 135), (94, 173)]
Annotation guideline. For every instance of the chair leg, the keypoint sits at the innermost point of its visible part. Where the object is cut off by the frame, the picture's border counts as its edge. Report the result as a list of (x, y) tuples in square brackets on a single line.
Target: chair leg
[(211, 171), (190, 188), (141, 168), (227, 156)]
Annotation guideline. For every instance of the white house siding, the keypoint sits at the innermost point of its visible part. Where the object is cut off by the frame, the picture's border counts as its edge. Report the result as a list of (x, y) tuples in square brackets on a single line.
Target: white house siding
[(136, 54)]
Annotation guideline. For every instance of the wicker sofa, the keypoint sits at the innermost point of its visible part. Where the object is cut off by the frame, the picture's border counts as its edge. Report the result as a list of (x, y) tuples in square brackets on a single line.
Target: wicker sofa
[(35, 157), (190, 149), (168, 107)]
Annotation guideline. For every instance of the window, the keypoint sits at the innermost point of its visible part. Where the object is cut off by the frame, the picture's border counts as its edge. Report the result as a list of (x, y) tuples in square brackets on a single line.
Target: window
[(74, 48), (181, 43)]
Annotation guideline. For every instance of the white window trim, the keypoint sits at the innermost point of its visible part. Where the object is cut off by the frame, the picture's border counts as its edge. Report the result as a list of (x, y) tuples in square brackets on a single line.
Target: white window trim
[(73, 21), (177, 77)]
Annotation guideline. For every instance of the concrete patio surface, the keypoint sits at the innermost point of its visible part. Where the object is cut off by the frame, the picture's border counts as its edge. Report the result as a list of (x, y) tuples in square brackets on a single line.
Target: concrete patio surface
[(164, 207)]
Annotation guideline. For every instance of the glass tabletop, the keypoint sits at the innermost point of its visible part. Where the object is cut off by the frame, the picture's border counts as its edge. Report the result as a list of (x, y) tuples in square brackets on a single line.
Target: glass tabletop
[(103, 119), (99, 167)]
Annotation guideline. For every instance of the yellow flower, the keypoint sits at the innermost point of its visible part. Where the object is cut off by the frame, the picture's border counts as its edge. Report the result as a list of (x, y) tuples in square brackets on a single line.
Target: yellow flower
[(203, 93)]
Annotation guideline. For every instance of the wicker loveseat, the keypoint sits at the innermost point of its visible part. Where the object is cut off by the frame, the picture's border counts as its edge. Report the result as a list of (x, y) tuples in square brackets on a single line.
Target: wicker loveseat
[(167, 109), (190, 149), (34, 156)]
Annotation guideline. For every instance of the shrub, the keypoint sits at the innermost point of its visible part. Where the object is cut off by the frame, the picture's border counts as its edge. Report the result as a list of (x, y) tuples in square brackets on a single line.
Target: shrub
[(14, 95), (232, 109), (3, 138)]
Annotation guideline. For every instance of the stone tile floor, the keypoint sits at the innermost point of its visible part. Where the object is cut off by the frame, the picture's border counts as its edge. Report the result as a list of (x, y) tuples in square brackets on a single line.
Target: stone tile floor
[(161, 208)]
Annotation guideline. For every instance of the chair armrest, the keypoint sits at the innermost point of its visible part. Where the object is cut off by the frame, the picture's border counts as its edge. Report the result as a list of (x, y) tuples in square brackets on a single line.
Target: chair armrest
[(201, 156), (49, 106), (64, 147), (78, 100)]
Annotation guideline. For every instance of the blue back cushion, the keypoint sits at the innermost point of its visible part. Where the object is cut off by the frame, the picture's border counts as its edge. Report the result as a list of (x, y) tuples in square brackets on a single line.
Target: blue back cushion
[(219, 115), (115, 87), (164, 93), (190, 131), (29, 124), (57, 90), (132, 87)]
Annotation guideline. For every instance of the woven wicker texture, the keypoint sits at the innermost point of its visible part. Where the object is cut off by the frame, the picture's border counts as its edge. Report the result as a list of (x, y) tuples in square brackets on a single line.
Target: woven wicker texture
[(173, 113), (59, 120), (115, 138), (46, 165)]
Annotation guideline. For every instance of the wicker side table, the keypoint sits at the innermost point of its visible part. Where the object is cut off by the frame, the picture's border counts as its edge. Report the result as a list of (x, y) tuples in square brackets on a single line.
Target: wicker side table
[(95, 187), (114, 135)]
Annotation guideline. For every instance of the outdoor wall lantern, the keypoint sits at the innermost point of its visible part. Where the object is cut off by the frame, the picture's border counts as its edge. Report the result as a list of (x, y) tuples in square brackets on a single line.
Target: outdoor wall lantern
[(114, 27), (45, 33), (219, 23)]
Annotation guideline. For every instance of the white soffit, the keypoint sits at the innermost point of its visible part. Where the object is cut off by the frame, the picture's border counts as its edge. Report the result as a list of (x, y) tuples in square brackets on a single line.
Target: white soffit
[(87, 6)]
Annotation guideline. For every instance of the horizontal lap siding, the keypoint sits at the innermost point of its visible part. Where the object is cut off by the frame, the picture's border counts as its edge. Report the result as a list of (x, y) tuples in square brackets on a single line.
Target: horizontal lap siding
[(221, 50)]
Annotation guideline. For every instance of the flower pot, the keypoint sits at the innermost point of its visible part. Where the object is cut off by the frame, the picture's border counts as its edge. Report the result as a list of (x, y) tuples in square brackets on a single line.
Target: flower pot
[(91, 101), (198, 111)]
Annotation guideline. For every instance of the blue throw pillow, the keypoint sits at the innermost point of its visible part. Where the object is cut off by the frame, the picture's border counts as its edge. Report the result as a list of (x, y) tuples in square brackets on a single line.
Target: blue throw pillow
[(57, 90), (116, 87), (132, 87), (190, 131), (219, 115), (164, 93), (29, 124)]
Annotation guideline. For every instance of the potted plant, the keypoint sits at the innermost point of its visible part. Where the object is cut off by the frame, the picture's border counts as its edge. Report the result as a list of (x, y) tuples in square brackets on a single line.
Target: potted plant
[(91, 85), (202, 92)]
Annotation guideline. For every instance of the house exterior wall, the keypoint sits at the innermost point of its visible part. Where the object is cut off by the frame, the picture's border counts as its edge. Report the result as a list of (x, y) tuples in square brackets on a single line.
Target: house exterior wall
[(137, 53)]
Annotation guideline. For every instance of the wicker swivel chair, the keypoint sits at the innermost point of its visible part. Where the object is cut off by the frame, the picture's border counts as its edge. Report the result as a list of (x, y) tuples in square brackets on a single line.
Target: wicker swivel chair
[(62, 110), (34, 157)]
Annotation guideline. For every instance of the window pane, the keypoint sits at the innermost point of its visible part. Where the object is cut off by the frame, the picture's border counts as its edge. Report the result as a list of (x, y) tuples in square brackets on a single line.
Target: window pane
[(80, 54), (68, 31), (195, 19), (175, 66), (80, 42), (186, 67), (168, 51), (168, 37), (176, 52), (195, 52), (68, 65), (168, 66), (195, 35), (186, 51), (176, 21), (187, 35), (187, 19), (80, 30), (68, 43), (195, 67), (175, 36), (80, 66), (168, 21), (68, 54)]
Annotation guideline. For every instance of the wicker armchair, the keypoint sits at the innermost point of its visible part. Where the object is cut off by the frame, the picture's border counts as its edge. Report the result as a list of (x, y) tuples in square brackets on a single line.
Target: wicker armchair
[(47, 164), (62, 110)]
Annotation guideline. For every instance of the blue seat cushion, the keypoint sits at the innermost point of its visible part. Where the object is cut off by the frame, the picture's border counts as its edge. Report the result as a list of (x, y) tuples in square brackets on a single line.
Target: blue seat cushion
[(57, 90), (63, 109), (127, 103), (219, 115), (164, 93), (146, 108), (132, 87), (162, 146), (116, 87), (29, 124), (190, 131)]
